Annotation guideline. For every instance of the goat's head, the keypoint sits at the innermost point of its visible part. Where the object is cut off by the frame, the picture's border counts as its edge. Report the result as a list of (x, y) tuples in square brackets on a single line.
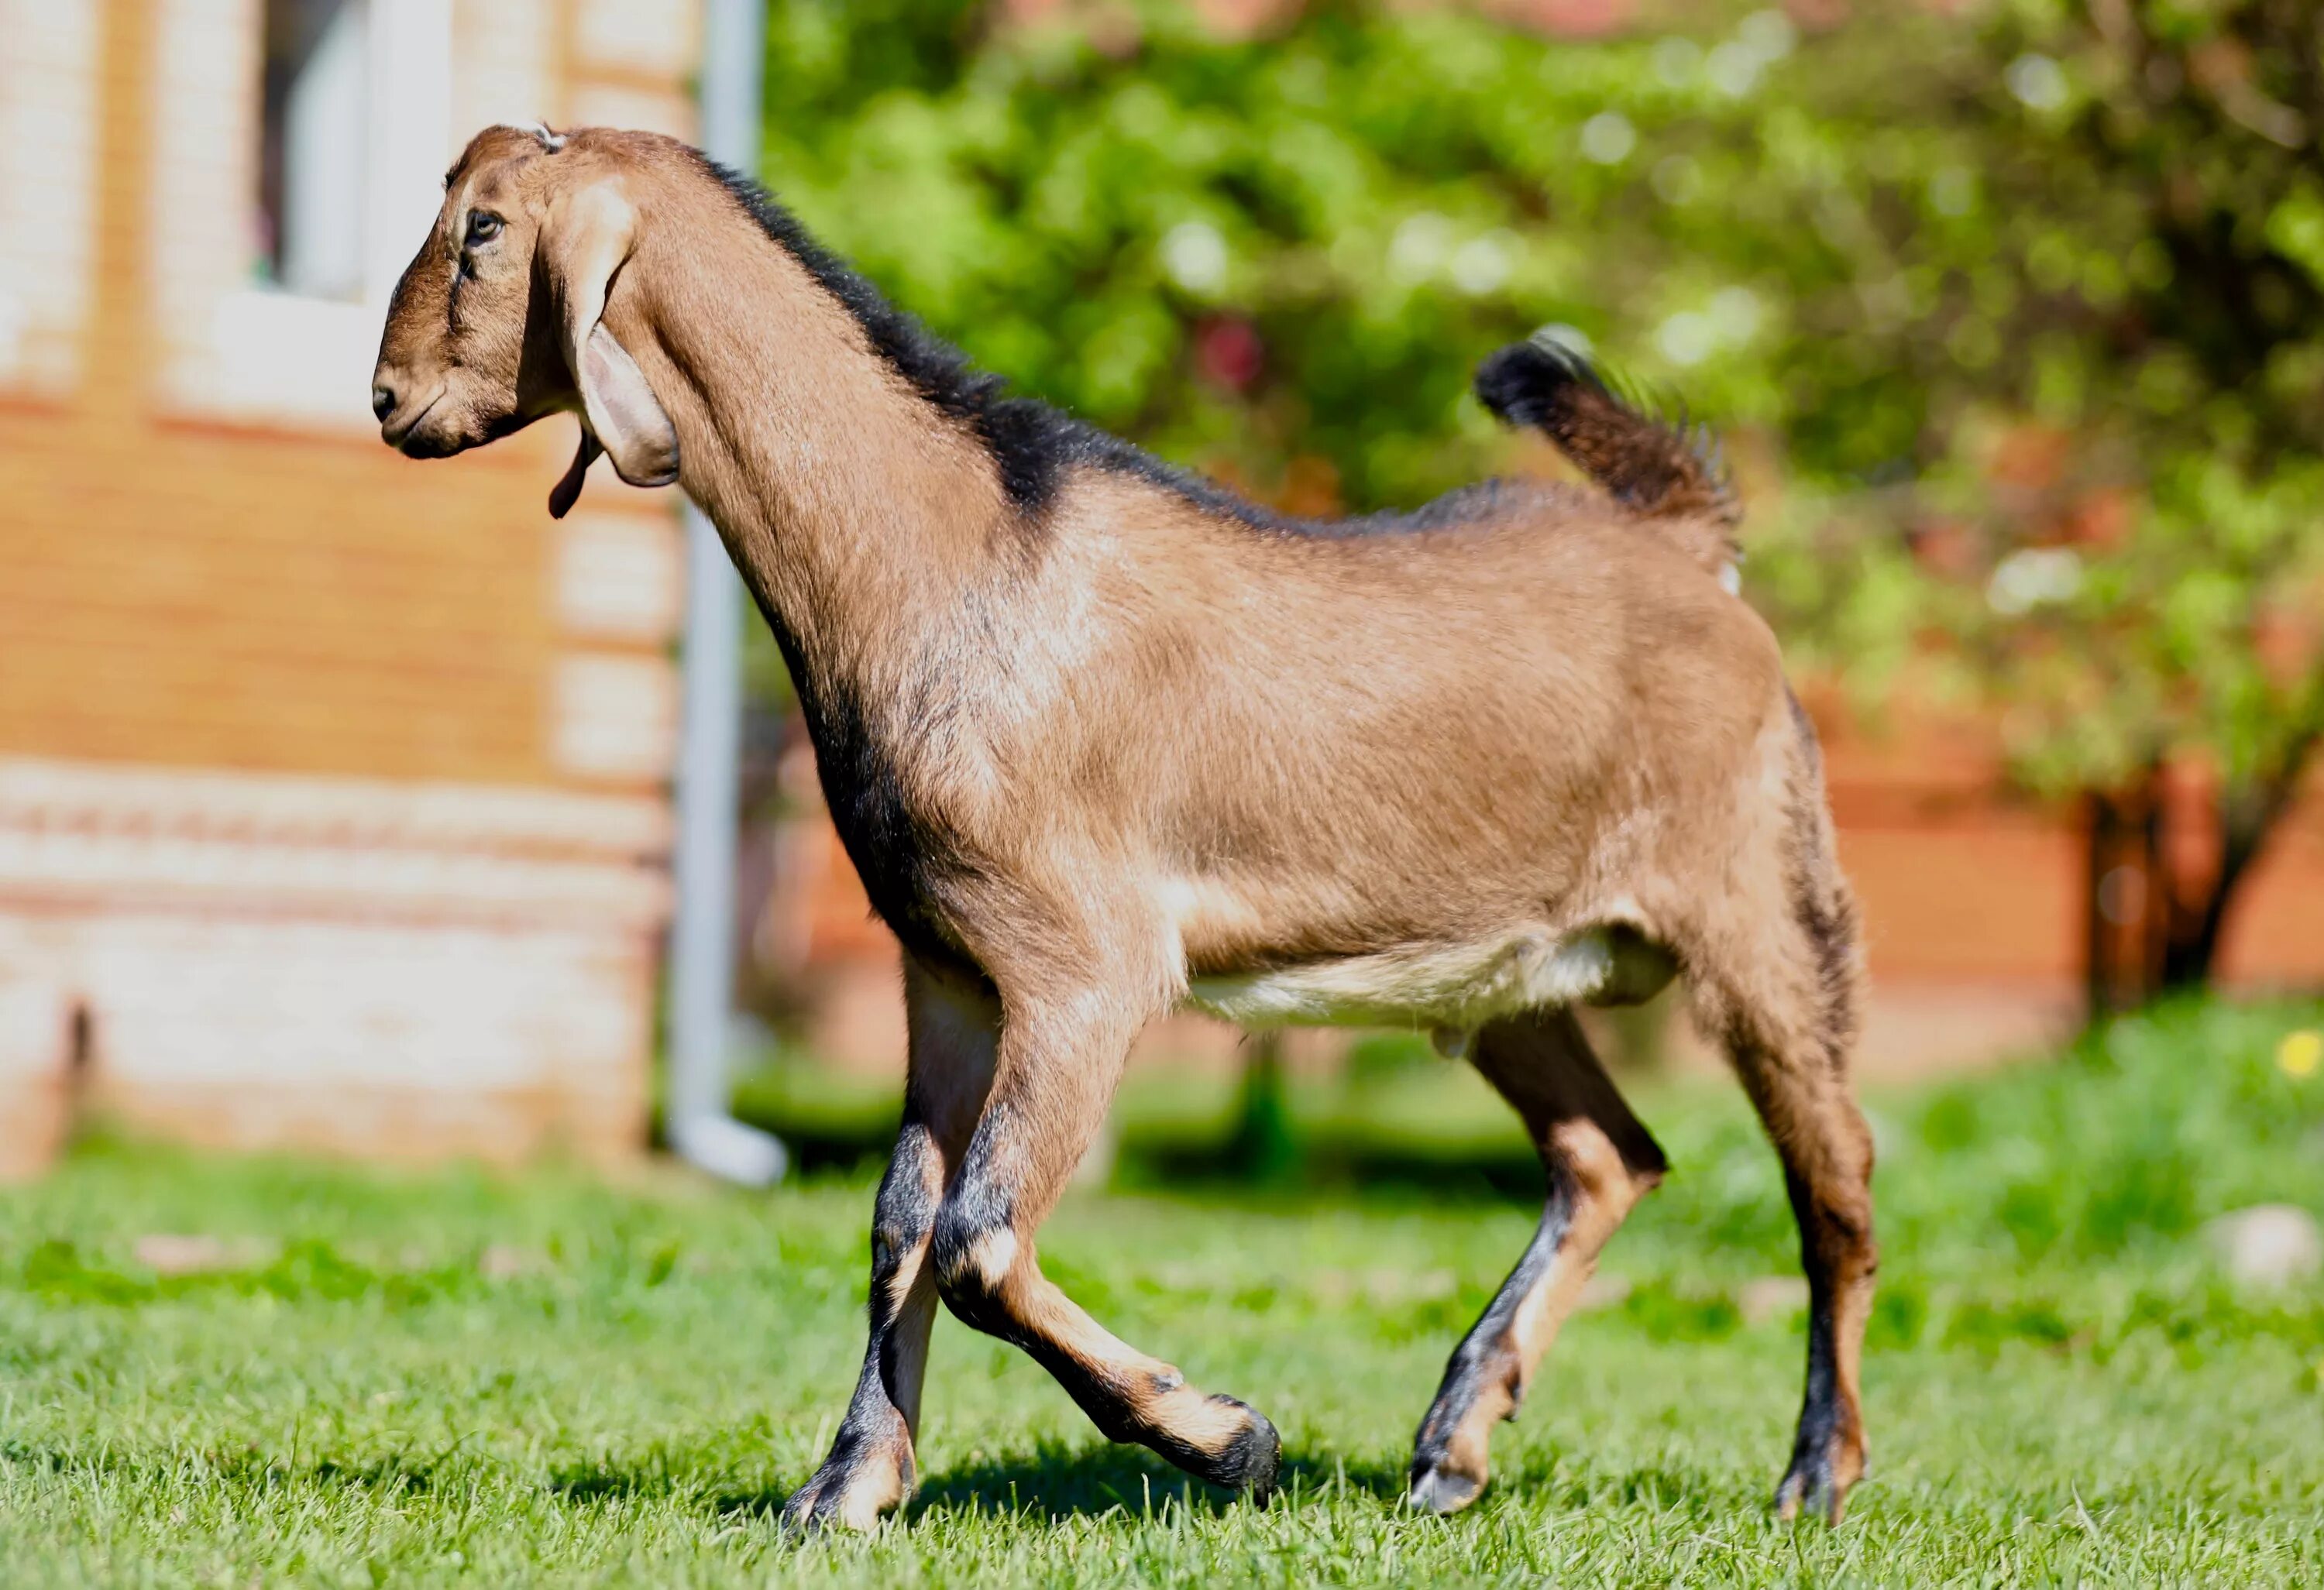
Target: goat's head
[(499, 317)]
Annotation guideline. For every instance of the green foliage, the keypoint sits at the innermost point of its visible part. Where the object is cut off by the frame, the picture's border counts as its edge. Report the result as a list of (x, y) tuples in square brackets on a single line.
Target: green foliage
[(1380, 195), (2147, 1128), (2025, 302)]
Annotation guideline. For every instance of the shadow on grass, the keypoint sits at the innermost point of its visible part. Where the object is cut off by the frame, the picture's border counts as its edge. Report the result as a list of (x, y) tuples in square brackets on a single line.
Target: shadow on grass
[(1331, 1168), (393, 1475), (1051, 1484), (1056, 1482), (1332, 1171)]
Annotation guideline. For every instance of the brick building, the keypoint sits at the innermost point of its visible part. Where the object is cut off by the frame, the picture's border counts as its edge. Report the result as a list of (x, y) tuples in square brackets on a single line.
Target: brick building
[(332, 786)]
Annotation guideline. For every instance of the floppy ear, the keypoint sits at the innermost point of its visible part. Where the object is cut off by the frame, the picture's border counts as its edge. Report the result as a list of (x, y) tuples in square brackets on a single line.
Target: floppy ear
[(586, 239)]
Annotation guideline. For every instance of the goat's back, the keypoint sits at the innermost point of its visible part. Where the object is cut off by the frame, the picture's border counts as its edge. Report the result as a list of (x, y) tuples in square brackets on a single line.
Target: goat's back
[(1387, 738)]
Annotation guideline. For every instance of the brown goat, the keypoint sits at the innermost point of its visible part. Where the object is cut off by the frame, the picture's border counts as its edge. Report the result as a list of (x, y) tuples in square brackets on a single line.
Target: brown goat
[(1103, 740)]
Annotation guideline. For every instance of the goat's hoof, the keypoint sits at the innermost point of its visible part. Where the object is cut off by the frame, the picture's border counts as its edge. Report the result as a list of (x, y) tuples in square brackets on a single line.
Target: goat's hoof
[(1440, 1490), (1250, 1460), (819, 1506), (808, 1512), (857, 1485), (1816, 1483)]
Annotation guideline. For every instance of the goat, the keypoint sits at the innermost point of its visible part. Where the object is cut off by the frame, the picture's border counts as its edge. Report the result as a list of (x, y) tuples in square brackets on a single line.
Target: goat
[(1103, 740)]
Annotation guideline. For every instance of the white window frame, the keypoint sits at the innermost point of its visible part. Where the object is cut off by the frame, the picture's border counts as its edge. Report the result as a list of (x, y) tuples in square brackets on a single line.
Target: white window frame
[(240, 350), (48, 190)]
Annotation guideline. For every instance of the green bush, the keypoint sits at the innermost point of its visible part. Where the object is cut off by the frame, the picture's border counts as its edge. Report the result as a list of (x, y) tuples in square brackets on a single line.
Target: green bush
[(2025, 305)]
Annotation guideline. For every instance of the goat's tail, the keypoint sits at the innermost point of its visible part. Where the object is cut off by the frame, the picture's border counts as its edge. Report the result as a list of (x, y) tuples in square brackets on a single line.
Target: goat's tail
[(1657, 468)]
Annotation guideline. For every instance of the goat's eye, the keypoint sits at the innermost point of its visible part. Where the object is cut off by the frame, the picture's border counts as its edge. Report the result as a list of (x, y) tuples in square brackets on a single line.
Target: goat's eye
[(483, 227)]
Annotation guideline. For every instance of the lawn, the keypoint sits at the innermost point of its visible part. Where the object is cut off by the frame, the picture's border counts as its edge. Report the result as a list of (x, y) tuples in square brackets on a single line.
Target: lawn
[(361, 1377)]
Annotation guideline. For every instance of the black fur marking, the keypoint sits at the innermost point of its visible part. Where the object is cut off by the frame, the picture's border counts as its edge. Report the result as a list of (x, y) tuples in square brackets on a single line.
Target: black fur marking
[(1809, 1480), (1248, 1462), (1826, 914), (902, 1215), (873, 1429), (902, 860), (1032, 446), (1109, 1404), (874, 1426), (1520, 384), (1530, 384), (1027, 438), (816, 1505), (976, 1208), (1463, 505)]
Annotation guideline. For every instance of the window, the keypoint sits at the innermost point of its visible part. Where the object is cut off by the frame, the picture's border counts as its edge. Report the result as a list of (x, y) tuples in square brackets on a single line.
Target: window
[(48, 189), (298, 147), (311, 153)]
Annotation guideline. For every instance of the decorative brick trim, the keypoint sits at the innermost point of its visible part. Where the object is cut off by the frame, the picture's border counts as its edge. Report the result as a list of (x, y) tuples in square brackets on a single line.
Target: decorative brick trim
[(82, 837), (297, 808), (261, 958), (370, 1037), (122, 869)]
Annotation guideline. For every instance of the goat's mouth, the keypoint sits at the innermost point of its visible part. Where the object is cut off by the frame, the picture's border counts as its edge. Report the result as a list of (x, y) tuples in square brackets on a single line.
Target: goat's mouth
[(406, 438)]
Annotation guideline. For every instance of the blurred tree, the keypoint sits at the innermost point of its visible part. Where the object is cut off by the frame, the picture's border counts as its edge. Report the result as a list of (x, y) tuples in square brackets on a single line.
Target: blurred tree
[(1265, 1145), (2025, 299), (2107, 298)]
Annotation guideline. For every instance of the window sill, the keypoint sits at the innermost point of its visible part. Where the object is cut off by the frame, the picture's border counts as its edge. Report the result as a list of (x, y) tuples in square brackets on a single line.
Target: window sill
[(278, 357)]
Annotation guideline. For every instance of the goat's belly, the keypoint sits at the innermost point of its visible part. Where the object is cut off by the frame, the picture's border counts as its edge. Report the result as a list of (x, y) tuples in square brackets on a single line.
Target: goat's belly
[(1454, 988)]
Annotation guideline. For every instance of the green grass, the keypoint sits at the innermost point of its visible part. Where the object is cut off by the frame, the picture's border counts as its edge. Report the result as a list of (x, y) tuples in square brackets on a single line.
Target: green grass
[(399, 1378)]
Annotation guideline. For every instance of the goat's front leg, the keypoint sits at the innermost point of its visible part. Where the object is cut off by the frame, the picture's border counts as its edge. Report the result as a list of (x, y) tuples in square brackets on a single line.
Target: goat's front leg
[(1058, 1066), (871, 1467)]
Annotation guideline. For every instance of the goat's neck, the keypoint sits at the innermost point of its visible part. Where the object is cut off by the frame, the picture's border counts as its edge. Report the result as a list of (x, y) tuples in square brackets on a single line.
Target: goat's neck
[(859, 516)]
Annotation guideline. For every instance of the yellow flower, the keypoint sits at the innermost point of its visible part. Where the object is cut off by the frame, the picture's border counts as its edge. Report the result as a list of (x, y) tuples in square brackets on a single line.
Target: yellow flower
[(2300, 1052)]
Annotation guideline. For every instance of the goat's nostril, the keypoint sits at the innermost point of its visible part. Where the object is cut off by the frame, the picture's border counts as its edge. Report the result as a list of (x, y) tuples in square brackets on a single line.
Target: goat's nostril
[(383, 400)]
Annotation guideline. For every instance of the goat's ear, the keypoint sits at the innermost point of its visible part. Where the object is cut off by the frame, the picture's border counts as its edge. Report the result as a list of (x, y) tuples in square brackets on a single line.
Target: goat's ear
[(584, 242)]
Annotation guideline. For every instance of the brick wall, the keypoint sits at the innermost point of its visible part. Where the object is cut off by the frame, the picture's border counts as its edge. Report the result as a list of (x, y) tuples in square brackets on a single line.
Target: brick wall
[(258, 668), (397, 967)]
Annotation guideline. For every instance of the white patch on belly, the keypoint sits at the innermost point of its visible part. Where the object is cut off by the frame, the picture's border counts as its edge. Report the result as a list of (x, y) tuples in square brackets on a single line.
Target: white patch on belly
[(1455, 987)]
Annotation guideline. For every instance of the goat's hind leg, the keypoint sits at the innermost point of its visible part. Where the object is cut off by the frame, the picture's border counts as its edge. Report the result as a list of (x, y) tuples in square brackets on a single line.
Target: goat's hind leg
[(1783, 990), (1801, 1091), (1600, 1162)]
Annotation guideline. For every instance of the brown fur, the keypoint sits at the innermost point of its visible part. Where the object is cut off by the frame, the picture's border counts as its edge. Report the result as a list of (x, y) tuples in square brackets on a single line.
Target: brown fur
[(1096, 735)]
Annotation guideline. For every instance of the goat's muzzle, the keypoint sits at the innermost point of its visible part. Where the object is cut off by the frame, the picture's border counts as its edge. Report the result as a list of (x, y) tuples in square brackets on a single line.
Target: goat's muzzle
[(401, 425)]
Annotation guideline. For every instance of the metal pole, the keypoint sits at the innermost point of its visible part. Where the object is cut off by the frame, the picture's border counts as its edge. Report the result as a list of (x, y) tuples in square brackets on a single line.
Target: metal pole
[(701, 939)]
